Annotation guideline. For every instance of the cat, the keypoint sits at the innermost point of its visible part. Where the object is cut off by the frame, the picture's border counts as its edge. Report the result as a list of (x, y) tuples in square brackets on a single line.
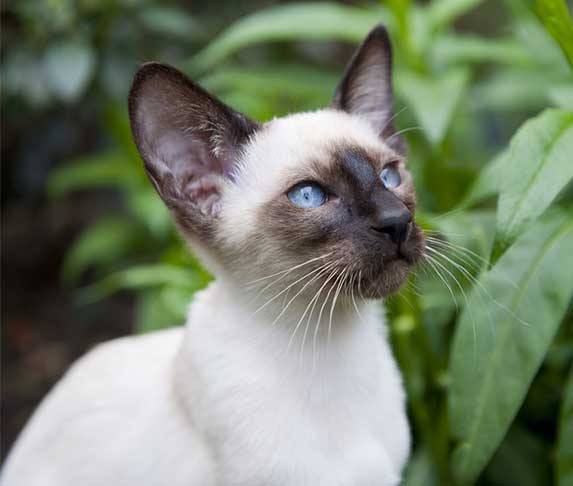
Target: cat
[(283, 374)]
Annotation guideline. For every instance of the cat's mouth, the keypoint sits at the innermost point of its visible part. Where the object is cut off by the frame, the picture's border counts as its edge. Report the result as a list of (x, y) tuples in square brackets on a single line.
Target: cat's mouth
[(385, 275)]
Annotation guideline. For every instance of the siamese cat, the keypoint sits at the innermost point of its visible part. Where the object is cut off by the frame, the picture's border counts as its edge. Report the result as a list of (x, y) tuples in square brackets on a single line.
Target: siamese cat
[(283, 374)]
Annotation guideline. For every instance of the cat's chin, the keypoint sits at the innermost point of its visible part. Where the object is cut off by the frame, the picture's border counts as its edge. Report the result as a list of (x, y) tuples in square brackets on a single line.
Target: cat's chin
[(389, 281)]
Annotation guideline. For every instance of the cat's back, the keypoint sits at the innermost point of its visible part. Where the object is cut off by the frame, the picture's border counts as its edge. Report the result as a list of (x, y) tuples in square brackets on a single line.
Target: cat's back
[(112, 419)]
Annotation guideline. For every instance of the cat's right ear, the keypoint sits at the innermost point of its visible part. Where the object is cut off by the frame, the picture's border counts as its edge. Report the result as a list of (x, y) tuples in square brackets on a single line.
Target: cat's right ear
[(366, 87), (189, 141)]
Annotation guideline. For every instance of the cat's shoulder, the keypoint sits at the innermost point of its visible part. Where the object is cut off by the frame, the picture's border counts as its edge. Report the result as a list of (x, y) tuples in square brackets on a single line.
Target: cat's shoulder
[(128, 351), (124, 366), (115, 389)]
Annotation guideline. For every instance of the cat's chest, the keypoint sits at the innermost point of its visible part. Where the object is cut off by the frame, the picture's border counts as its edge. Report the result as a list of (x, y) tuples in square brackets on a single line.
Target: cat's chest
[(268, 424), (291, 436)]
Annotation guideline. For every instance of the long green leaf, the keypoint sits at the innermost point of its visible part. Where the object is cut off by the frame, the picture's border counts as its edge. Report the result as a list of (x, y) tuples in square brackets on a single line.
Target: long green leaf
[(514, 90), (142, 277), (152, 313), (449, 49), (562, 96), (94, 171), (538, 166), (275, 81), (303, 21), (503, 336), (556, 18), (420, 470), (565, 440), (102, 243), (487, 183), (522, 459)]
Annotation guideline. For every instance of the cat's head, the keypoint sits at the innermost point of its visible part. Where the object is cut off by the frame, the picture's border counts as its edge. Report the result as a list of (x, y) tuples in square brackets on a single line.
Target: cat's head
[(323, 197)]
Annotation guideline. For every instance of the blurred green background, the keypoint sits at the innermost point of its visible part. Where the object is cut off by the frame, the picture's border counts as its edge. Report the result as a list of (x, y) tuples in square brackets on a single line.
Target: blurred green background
[(89, 252)]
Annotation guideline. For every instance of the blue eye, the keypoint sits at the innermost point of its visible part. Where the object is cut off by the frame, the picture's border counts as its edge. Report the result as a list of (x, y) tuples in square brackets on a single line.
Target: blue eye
[(307, 195), (390, 177)]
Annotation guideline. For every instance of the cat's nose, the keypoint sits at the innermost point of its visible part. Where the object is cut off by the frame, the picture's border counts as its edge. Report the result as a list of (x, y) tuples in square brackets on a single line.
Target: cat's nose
[(395, 222)]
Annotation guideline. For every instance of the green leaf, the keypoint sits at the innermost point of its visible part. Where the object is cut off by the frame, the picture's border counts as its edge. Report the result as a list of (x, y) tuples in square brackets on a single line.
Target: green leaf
[(555, 16), (449, 49), (562, 96), (487, 183), (152, 313), (420, 470), (565, 439), (303, 21), (141, 277), (537, 168), (503, 336), (433, 101), (513, 90), (118, 126), (522, 459), (441, 13), (276, 81), (272, 90), (146, 204), (69, 67), (539, 43), (105, 170), (100, 244)]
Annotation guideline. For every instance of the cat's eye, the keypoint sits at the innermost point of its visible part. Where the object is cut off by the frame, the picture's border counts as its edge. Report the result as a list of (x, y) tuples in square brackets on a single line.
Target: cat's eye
[(307, 195), (390, 177)]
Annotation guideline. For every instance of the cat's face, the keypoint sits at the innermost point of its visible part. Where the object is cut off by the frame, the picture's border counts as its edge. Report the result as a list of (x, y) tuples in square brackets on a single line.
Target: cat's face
[(324, 194)]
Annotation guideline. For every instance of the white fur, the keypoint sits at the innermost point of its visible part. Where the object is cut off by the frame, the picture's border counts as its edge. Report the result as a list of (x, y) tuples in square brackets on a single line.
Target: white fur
[(232, 400)]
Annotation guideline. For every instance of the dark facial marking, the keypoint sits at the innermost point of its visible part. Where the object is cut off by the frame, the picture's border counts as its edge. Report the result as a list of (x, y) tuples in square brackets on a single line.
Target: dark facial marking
[(359, 170)]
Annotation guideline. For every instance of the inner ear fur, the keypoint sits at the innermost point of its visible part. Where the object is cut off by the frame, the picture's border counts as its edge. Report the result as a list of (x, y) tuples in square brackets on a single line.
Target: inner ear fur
[(188, 139), (366, 86)]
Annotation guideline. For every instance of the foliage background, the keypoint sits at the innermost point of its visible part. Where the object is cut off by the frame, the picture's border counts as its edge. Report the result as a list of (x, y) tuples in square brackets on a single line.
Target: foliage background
[(90, 253)]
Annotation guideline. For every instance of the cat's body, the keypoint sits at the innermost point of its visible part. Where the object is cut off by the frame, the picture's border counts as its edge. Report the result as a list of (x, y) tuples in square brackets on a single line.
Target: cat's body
[(167, 409), (283, 374)]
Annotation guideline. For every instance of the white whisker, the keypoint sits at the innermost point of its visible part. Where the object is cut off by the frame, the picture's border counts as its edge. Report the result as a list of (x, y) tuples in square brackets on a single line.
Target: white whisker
[(288, 270), (323, 270)]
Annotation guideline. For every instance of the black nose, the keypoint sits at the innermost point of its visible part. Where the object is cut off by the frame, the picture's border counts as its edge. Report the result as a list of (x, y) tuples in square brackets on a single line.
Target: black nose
[(394, 223)]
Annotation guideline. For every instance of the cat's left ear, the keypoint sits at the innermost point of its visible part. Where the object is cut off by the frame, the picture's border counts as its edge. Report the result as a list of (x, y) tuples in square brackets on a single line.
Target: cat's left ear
[(366, 88)]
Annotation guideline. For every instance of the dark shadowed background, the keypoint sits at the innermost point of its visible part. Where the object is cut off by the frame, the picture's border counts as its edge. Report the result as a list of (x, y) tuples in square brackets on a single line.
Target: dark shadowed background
[(89, 253)]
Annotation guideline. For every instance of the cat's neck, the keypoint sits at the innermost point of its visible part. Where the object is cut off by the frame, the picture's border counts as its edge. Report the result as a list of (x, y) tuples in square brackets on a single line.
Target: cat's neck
[(244, 389), (278, 314), (222, 326)]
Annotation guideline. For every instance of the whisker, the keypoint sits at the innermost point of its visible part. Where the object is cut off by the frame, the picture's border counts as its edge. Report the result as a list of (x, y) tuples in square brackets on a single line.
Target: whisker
[(459, 249), (441, 277), (353, 298), (315, 299), (399, 132), (360, 294), (335, 274), (449, 234), (336, 294), (286, 289), (395, 115), (288, 270), (324, 269), (480, 286), (453, 277)]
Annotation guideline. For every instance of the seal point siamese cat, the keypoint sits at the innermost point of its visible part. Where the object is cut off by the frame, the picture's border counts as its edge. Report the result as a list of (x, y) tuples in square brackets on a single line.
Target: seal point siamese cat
[(283, 374)]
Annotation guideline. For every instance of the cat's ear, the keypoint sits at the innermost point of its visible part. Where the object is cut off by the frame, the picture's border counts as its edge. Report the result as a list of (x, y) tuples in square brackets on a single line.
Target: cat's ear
[(366, 88), (188, 139)]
